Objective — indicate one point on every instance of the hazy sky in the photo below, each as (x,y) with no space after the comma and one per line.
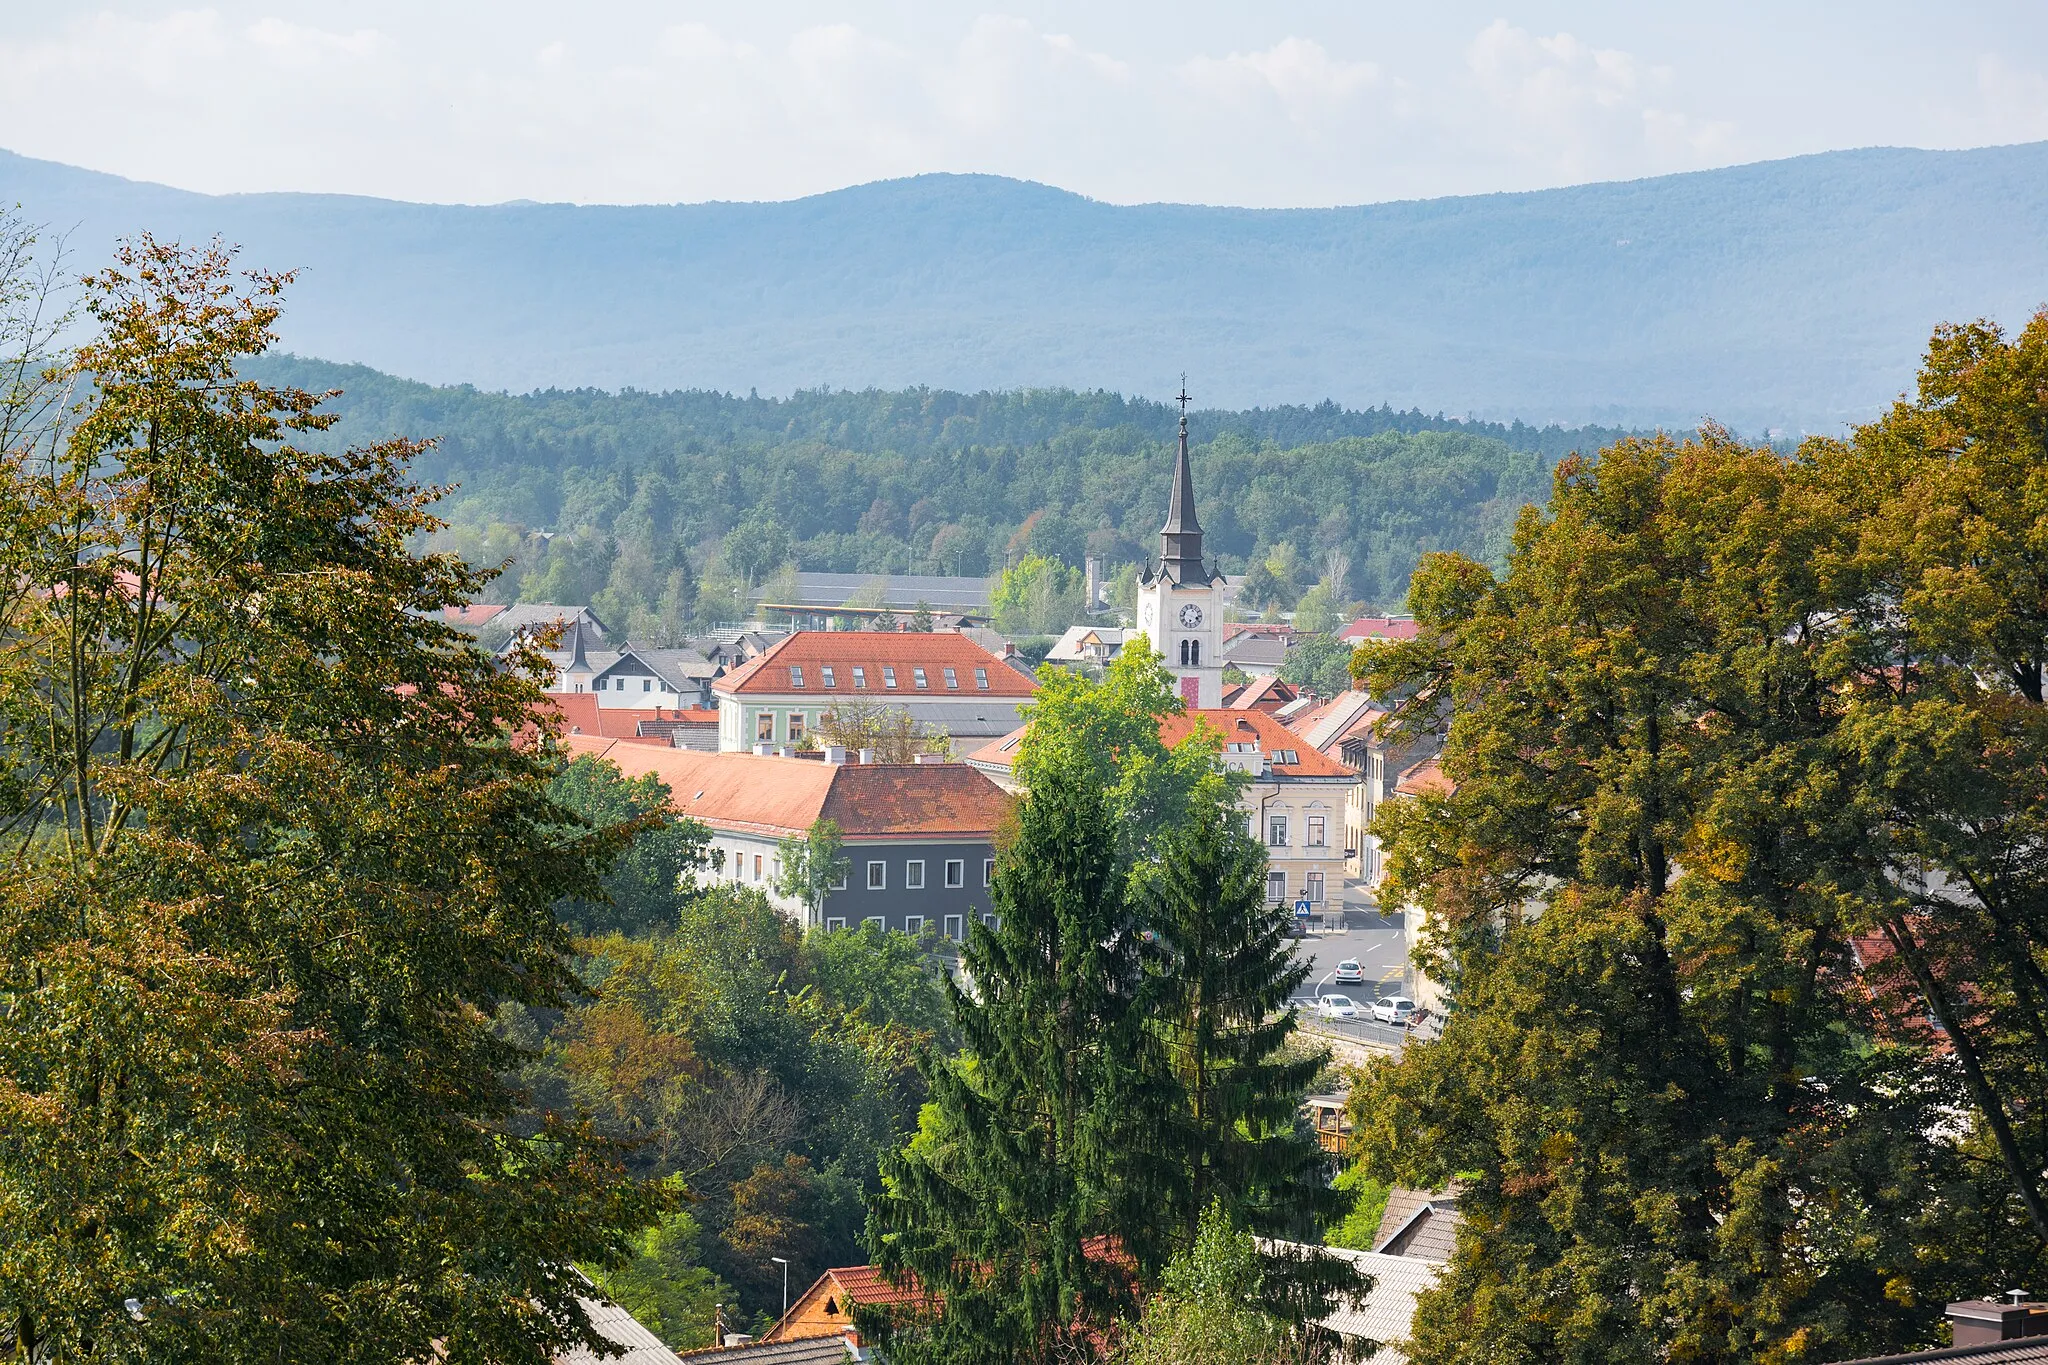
(1273,102)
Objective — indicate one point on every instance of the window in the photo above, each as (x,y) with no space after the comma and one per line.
(878,876)
(877,921)
(1276,831)
(952,679)
(825,672)
(796,726)
(917,679)
(913,874)
(888,676)
(992,920)
(757,867)
(860,676)
(839,882)
(956,928)
(835,924)
(1276,886)
(988,871)
(1194,653)
(1317,838)
(796,676)
(1315,888)
(764,727)
(1287,757)
(956,872)
(913,924)
(647,684)
(981,678)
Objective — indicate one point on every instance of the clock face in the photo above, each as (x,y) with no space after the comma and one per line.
(1191,616)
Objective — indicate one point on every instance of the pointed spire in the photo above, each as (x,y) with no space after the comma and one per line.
(576,659)
(1180,540)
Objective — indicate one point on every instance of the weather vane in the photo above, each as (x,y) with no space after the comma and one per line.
(1183,394)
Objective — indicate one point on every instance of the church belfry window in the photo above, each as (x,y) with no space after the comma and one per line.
(1194,653)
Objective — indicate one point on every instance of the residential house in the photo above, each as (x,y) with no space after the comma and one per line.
(636,676)
(527,618)
(635,1344)
(1087,646)
(1264,693)
(1378,628)
(1294,800)
(1258,646)
(1384,762)
(1422,1224)
(826,1309)
(822,1350)
(1426,777)
(942,680)
(1385,1315)
(919,837)
(579,713)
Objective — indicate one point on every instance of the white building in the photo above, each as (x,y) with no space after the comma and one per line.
(1181,602)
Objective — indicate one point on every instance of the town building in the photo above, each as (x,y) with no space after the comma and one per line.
(944,681)
(1087,646)
(1267,693)
(1293,800)
(1378,628)
(504,621)
(1180,599)
(579,713)
(636,676)
(919,838)
(1258,646)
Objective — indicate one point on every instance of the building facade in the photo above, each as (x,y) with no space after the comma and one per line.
(919,838)
(944,681)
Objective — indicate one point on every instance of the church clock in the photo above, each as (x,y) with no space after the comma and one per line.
(1191,616)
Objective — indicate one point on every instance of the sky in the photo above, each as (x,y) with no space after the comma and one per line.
(1277,103)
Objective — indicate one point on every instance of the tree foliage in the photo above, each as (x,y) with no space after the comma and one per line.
(275,860)
(647,883)
(1689,1124)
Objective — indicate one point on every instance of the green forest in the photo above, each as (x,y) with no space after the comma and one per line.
(662,509)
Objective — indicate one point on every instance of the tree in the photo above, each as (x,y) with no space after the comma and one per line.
(921,619)
(1110,731)
(1321,664)
(1219,1013)
(1037,596)
(1319,611)
(1005,1218)
(812,865)
(280,848)
(855,724)
(1664,1096)
(885,977)
(647,884)
(1209,1310)
(664,1287)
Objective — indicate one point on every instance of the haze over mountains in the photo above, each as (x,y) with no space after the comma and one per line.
(1792,294)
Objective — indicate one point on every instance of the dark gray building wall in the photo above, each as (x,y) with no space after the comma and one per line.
(898,902)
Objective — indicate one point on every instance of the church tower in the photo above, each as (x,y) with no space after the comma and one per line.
(1180,603)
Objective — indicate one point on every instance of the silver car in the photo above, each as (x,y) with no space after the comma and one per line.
(1337,1007)
(1397,1010)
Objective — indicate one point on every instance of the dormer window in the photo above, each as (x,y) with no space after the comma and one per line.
(952,680)
(917,678)
(860,676)
(796,676)
(981,678)
(888,676)
(826,671)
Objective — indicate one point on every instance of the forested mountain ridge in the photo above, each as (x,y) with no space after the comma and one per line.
(1789,294)
(685,497)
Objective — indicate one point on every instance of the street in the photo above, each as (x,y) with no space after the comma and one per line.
(1380,949)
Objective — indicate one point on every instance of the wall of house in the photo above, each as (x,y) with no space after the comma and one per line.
(1287,815)
(740,723)
(753,860)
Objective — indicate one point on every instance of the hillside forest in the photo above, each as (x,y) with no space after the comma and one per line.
(663,511)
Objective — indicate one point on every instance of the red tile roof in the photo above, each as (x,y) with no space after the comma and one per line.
(1235,726)
(786,796)
(1426,776)
(871,650)
(473,614)
(865,1284)
(1240,727)
(1380,628)
(1264,693)
(578,712)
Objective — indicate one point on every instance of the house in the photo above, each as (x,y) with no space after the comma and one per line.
(1378,628)
(637,1345)
(1294,801)
(579,713)
(1087,646)
(1418,1223)
(526,618)
(919,838)
(942,680)
(1264,693)
(1388,1310)
(825,1310)
(1258,646)
(1985,1332)
(805,1351)
(1384,762)
(635,676)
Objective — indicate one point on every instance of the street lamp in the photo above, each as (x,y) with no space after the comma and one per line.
(785,1283)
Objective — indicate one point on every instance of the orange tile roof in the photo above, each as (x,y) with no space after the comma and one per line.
(1426,776)
(865,1284)
(1263,692)
(781,797)
(934,651)
(579,711)
(473,613)
(1235,726)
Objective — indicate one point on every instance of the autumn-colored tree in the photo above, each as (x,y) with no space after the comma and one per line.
(276,855)
(1682,1132)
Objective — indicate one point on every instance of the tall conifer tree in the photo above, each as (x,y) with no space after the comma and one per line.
(1004,1204)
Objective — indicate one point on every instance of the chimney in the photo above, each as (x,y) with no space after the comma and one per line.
(867,755)
(1980,1322)
(1094,572)
(835,753)
(931,758)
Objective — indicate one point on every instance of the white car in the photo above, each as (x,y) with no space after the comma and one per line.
(1336,1007)
(1349,973)
(1397,1010)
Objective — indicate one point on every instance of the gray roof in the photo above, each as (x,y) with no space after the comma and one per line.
(902,590)
(1389,1307)
(621,1328)
(674,665)
(1418,1223)
(2025,1351)
(529,615)
(802,1351)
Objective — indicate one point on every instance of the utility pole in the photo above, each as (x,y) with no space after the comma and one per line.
(785,1283)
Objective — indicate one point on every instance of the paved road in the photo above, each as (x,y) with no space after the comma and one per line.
(1381,949)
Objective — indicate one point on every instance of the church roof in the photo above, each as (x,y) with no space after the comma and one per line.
(1180,540)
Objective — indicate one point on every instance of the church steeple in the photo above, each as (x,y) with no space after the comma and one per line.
(1180,540)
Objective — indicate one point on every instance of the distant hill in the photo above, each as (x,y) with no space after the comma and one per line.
(1792,294)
